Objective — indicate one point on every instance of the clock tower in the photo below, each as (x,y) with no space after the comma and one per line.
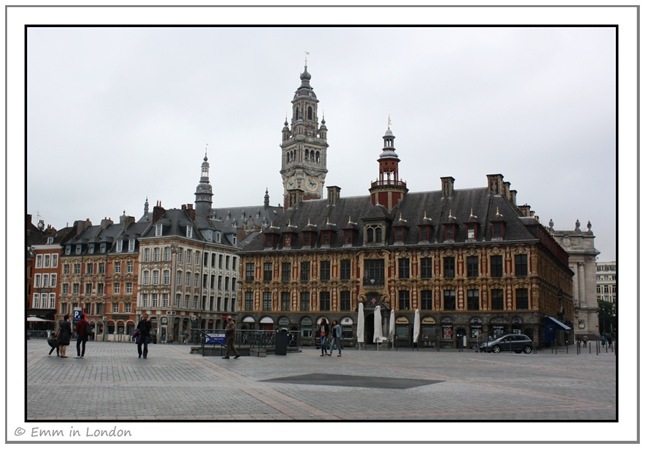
(304,147)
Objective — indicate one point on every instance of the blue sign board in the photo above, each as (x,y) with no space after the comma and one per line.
(215,339)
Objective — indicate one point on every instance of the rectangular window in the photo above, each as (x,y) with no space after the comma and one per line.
(66,268)
(52,282)
(155,277)
(345,269)
(325,270)
(250,272)
(155,300)
(472,266)
(248,301)
(325,301)
(521,265)
(305,268)
(146,278)
(156,254)
(426,299)
(404,268)
(119,246)
(285,301)
(496,268)
(37,281)
(117,288)
(166,277)
(158,230)
(404,300)
(36,303)
(131,245)
(54,260)
(146,255)
(130,266)
(115,307)
(76,288)
(473,299)
(166,253)
(100,289)
(286,271)
(165,300)
(449,300)
(345,301)
(426,267)
(268,271)
(90,268)
(266,301)
(522,299)
(77,268)
(88,288)
(46,261)
(449,267)
(128,308)
(189,256)
(497,299)
(65,290)
(128,287)
(101,267)
(117,267)
(304,302)
(374,272)
(39,261)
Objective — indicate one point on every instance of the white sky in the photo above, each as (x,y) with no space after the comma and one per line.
(116,115)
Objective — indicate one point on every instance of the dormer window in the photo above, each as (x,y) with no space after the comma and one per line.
(449,231)
(218,237)
(78,249)
(189,232)
(158,230)
(497,226)
(50,240)
(374,234)
(103,247)
(90,248)
(119,246)
(131,245)
(68,250)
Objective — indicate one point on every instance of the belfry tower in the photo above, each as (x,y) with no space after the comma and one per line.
(304,147)
(388,190)
(204,192)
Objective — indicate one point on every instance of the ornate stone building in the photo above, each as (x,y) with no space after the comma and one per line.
(188,267)
(579,245)
(471,260)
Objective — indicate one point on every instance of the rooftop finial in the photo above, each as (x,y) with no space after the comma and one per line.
(306,54)
(389,121)
(206,153)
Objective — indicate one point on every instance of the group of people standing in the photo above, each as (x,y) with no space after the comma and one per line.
(330,336)
(61,340)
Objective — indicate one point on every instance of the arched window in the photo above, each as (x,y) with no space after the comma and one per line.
(310,113)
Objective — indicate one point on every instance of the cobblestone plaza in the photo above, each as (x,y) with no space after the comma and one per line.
(385,386)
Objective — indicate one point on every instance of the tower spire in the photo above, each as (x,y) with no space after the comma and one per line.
(204,192)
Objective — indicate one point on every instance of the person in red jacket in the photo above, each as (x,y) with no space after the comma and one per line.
(82,332)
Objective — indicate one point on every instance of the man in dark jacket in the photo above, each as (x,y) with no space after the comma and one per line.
(229,333)
(82,332)
(143,327)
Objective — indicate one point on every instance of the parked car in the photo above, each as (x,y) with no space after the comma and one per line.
(511,342)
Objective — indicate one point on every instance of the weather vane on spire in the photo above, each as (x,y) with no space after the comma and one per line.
(206,152)
(306,54)
(389,121)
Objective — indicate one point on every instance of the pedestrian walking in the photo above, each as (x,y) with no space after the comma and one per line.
(53,342)
(336,338)
(144,335)
(82,333)
(229,333)
(324,334)
(64,335)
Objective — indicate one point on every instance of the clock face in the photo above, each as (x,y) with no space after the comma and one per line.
(312,184)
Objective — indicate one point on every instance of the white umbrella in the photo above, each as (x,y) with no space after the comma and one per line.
(391,333)
(37,319)
(378,325)
(360,326)
(417,325)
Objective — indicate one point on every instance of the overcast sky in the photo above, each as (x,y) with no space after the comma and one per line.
(116,115)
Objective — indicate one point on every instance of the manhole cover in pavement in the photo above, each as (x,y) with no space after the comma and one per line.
(342,380)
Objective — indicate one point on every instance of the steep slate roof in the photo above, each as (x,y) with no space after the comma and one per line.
(413,209)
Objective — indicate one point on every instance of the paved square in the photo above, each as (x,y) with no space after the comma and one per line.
(111,383)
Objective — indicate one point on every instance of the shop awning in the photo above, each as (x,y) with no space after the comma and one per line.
(266,320)
(558,323)
(248,319)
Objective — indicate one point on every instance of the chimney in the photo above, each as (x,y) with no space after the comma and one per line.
(293,198)
(513,197)
(125,220)
(506,190)
(333,193)
(190,211)
(157,212)
(82,225)
(495,184)
(447,187)
(106,222)
(525,210)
